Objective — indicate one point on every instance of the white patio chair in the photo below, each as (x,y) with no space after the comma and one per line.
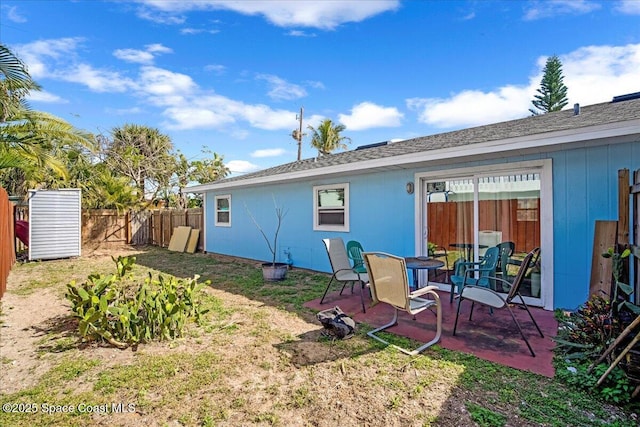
(342,269)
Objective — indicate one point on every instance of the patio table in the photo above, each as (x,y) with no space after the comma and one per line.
(421,263)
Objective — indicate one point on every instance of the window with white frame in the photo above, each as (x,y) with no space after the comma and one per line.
(223,210)
(331,207)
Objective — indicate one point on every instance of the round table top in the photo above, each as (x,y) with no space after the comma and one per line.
(423,262)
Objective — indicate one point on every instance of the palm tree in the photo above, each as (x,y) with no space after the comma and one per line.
(326,138)
(142,154)
(30,141)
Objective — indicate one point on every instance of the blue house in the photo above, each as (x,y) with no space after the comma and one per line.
(539,181)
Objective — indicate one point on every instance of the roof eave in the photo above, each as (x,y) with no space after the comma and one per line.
(549,141)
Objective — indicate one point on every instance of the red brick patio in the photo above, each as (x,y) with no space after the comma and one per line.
(490,337)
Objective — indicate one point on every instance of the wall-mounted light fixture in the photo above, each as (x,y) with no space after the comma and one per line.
(409,187)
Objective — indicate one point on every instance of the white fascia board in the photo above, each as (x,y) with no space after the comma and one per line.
(541,141)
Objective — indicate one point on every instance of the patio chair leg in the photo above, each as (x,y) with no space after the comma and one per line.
(473,304)
(327,289)
(455,325)
(453,288)
(526,307)
(364,310)
(521,333)
(395,322)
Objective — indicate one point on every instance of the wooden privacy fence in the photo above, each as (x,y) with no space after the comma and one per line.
(162,223)
(7,239)
(107,226)
(451,222)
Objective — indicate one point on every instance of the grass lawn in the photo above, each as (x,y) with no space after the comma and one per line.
(258,358)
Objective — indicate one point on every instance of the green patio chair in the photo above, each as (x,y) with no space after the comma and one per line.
(466,270)
(506,251)
(354,251)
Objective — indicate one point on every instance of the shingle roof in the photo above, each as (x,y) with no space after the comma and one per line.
(565,120)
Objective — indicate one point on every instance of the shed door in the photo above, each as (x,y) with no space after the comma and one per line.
(54,224)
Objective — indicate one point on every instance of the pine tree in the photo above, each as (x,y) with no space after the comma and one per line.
(552,94)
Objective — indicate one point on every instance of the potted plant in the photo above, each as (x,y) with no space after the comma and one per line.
(272,271)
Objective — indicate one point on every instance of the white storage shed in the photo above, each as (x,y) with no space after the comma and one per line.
(55,223)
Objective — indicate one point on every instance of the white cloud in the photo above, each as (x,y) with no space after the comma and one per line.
(95,79)
(551,8)
(158,48)
(183,103)
(263,117)
(164,83)
(472,107)
(141,56)
(215,111)
(613,70)
(216,68)
(14,15)
(193,31)
(367,115)
(314,84)
(241,166)
(46,97)
(281,89)
(134,55)
(37,54)
(269,152)
(194,118)
(629,7)
(302,13)
(160,17)
(299,33)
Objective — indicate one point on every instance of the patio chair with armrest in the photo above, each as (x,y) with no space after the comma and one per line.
(494,300)
(354,251)
(465,272)
(342,270)
(506,251)
(389,284)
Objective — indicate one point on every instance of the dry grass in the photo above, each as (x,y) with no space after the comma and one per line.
(259,359)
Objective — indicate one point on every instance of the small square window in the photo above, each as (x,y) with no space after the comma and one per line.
(223,210)
(331,207)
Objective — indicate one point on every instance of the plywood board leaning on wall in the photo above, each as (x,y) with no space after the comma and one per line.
(601,268)
(192,243)
(179,238)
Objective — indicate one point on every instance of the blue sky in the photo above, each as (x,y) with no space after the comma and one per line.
(232,75)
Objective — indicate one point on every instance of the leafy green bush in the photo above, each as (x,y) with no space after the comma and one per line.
(582,337)
(116,309)
(616,388)
(586,334)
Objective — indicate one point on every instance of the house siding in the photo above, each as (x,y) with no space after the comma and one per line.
(585,185)
(382,213)
(381,217)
